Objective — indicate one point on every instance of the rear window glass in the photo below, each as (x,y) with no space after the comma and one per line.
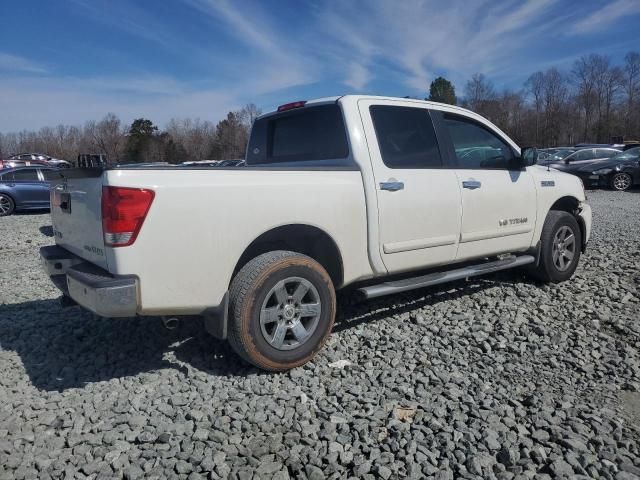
(307,134)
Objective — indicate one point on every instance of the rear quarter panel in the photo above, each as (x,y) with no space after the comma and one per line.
(201,221)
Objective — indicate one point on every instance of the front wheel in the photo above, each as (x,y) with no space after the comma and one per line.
(560,246)
(281,310)
(621,181)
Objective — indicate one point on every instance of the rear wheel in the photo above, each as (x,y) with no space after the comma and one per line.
(621,181)
(7,205)
(560,246)
(281,310)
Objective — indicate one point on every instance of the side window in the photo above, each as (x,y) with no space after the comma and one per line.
(6,177)
(605,153)
(586,154)
(477,147)
(51,175)
(406,137)
(26,175)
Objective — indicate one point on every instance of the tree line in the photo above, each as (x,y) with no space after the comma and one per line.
(593,101)
(142,141)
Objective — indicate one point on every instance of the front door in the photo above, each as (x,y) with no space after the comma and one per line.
(419,209)
(498,196)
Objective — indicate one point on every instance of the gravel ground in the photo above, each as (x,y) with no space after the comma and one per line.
(494,378)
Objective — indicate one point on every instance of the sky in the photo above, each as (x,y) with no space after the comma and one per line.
(69,61)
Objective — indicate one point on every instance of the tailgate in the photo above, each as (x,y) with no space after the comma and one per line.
(76,214)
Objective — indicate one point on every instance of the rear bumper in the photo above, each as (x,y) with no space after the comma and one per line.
(92,287)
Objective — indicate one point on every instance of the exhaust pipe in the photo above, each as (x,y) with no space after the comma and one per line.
(170,323)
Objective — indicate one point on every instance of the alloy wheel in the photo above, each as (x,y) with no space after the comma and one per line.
(290,313)
(564,248)
(621,181)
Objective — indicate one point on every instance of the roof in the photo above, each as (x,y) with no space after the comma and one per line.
(334,99)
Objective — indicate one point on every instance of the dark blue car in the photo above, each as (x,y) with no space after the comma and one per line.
(26,188)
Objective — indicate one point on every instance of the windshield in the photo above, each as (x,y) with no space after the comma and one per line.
(555,154)
(631,154)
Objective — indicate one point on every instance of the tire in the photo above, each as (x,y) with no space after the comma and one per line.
(558,258)
(270,299)
(7,205)
(621,181)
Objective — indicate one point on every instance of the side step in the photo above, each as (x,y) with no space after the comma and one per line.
(397,286)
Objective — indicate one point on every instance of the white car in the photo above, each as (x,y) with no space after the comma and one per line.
(381,194)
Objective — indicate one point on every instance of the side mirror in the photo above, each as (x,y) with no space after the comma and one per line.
(529,156)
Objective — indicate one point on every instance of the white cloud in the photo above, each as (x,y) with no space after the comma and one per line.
(418,39)
(605,16)
(357,76)
(14,63)
(272,61)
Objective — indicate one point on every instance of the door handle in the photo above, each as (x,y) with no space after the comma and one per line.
(471,184)
(392,185)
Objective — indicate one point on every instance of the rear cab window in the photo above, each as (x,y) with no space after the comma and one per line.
(313,135)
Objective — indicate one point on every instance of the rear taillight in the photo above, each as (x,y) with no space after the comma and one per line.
(123,212)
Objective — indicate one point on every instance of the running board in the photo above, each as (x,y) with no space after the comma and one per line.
(397,286)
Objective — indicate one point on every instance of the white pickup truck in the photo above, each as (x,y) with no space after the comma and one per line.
(381,194)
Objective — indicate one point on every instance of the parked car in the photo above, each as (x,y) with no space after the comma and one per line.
(26,188)
(31,157)
(376,193)
(231,163)
(581,158)
(620,172)
(630,145)
(200,163)
(91,160)
(12,163)
(554,154)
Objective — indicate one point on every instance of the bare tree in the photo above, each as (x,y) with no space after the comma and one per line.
(534,86)
(630,83)
(479,93)
(108,135)
(585,77)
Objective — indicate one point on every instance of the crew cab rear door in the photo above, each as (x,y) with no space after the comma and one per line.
(419,206)
(498,196)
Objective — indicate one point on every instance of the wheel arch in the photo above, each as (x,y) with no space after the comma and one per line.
(301,238)
(571,204)
(11,197)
